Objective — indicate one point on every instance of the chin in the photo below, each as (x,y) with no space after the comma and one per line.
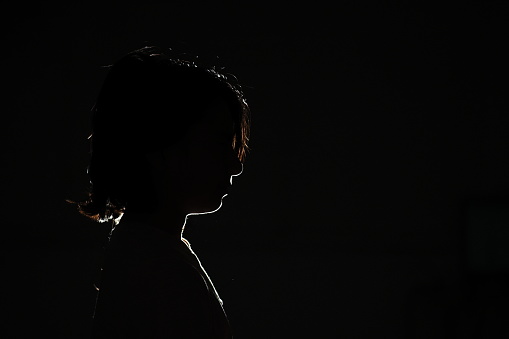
(211,208)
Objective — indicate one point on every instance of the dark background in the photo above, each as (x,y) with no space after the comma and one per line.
(374,202)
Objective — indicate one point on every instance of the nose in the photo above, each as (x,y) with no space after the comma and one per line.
(236,172)
(236,169)
(235,166)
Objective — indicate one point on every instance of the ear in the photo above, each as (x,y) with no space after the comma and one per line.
(165,160)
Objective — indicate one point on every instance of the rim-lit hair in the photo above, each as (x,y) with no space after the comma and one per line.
(147,102)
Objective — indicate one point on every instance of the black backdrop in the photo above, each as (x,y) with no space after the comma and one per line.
(373,204)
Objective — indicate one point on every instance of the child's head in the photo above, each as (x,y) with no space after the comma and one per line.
(152,106)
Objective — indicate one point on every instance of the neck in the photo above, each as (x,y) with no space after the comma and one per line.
(172,223)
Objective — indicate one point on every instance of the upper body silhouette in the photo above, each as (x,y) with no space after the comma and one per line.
(167,138)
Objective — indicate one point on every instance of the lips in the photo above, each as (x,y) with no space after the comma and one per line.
(223,189)
(227,188)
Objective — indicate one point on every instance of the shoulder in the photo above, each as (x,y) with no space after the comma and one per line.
(147,269)
(151,286)
(175,301)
